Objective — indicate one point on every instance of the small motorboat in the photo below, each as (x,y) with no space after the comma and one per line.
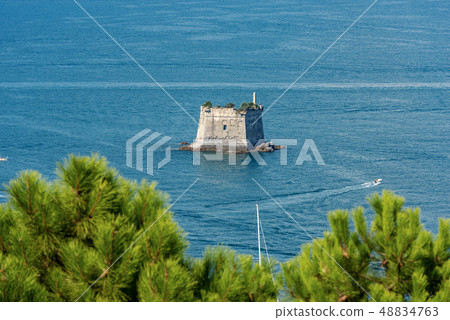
(377,181)
(3,159)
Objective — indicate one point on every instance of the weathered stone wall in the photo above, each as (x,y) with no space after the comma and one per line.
(228,129)
(254,130)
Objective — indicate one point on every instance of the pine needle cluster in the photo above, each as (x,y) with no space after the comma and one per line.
(393,260)
(91,235)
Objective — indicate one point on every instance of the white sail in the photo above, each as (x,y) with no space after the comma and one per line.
(259,239)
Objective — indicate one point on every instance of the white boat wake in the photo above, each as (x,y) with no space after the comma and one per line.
(310,196)
(371,183)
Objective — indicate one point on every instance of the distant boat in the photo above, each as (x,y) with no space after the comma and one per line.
(378,181)
(3,159)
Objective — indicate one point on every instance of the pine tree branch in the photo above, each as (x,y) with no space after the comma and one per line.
(114,233)
(220,263)
(144,207)
(230,282)
(147,245)
(79,268)
(23,208)
(104,281)
(30,206)
(370,278)
(2,245)
(125,268)
(77,192)
(404,248)
(166,274)
(158,251)
(97,198)
(44,220)
(152,290)
(58,291)
(3,279)
(23,251)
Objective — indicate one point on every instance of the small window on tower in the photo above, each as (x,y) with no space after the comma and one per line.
(225,127)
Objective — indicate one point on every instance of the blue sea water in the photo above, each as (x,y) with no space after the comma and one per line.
(376,104)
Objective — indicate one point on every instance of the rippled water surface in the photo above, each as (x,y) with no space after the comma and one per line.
(376,104)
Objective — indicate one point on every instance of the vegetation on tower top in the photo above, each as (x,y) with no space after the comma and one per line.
(244,106)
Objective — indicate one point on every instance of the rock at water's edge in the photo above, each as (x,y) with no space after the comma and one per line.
(264,147)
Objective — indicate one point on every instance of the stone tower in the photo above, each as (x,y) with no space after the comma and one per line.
(230,129)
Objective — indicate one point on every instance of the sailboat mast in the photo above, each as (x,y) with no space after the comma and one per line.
(259,239)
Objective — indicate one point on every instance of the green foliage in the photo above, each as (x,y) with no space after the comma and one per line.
(244,106)
(78,230)
(166,280)
(321,265)
(396,260)
(18,281)
(222,276)
(92,235)
(247,105)
(207,104)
